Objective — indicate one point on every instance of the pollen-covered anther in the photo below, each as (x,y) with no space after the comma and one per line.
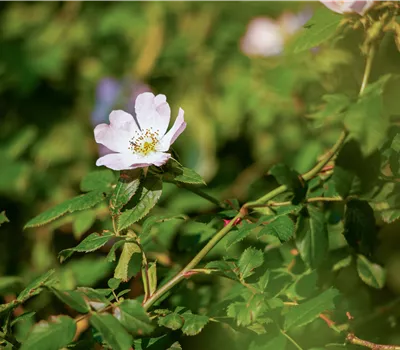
(144,142)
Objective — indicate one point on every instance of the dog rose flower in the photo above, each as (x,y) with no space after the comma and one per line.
(348,6)
(142,142)
(266,36)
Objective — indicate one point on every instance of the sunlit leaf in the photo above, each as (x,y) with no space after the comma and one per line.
(72,298)
(370,273)
(172,321)
(151,193)
(308,311)
(250,260)
(281,227)
(56,334)
(125,189)
(134,318)
(321,27)
(193,323)
(81,202)
(91,243)
(312,237)
(111,331)
(98,180)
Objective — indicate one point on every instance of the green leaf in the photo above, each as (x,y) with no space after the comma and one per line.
(177,172)
(95,295)
(367,120)
(225,268)
(370,273)
(396,143)
(122,269)
(111,254)
(281,227)
(82,202)
(151,193)
(91,243)
(335,105)
(152,273)
(285,176)
(175,346)
(36,286)
(308,311)
(72,298)
(193,323)
(247,312)
(98,180)
(114,283)
(154,220)
(238,235)
(342,263)
(23,317)
(312,237)
(127,186)
(359,226)
(263,281)
(249,260)
(52,335)
(355,173)
(134,318)
(319,29)
(172,321)
(111,331)
(291,179)
(3,218)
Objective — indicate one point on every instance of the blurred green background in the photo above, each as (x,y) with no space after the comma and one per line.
(244,114)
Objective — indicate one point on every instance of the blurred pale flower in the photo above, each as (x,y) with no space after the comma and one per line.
(266,36)
(348,6)
(143,141)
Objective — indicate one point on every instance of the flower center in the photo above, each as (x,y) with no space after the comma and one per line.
(144,142)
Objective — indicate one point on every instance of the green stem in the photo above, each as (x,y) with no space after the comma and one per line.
(200,255)
(307,176)
(309,200)
(291,340)
(368,67)
(260,202)
(351,338)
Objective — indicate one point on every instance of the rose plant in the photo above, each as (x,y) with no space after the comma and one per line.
(270,258)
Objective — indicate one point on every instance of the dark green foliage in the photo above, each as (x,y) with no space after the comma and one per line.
(293,243)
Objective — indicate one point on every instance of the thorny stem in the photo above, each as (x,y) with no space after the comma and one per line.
(260,202)
(200,255)
(309,200)
(351,338)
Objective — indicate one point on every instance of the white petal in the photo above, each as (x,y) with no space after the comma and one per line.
(119,161)
(170,137)
(152,112)
(333,5)
(156,158)
(361,6)
(117,135)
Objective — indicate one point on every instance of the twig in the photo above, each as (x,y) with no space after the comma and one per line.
(351,338)
(309,200)
(291,340)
